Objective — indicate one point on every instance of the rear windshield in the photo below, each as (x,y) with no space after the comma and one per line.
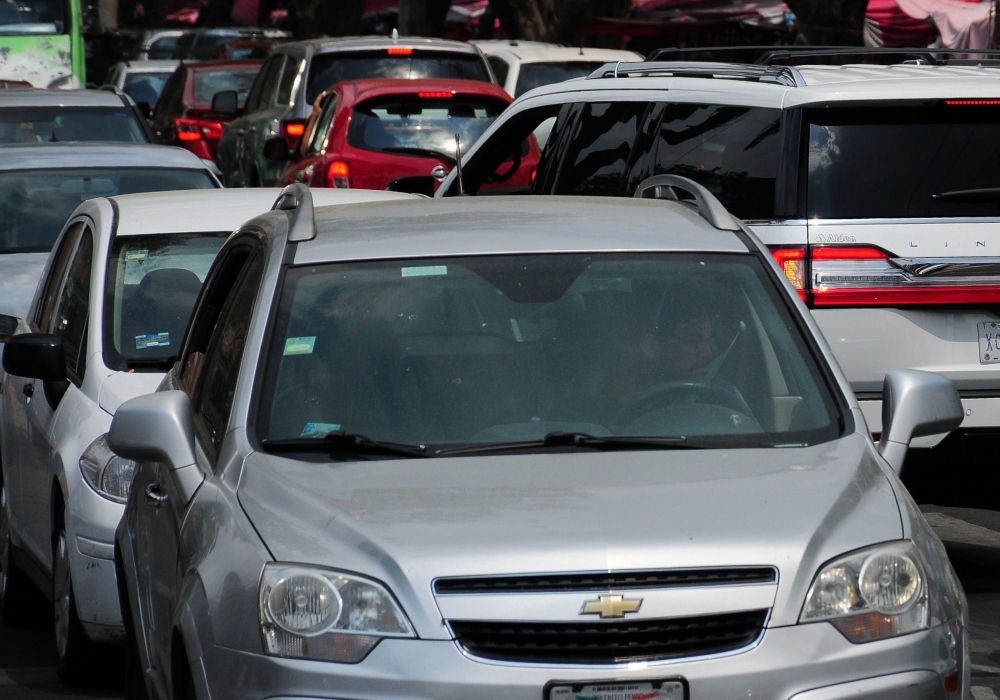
(534,75)
(421,127)
(146,87)
(207,83)
(35,204)
(67,123)
(497,349)
(904,161)
(33,17)
(152,285)
(330,68)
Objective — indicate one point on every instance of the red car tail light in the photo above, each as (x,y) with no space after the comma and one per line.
(436,95)
(338,174)
(793,264)
(399,51)
(198,129)
(291,130)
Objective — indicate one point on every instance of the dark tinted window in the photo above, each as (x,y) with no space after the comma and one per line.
(70,319)
(207,83)
(598,154)
(287,82)
(35,204)
(33,17)
(534,75)
(47,124)
(732,151)
(57,269)
(330,68)
(500,68)
(163,48)
(145,87)
(895,161)
(269,90)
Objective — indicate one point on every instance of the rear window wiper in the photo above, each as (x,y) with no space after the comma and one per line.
(338,443)
(164,363)
(413,151)
(986,194)
(583,440)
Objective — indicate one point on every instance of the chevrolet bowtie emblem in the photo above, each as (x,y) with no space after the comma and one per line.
(610,606)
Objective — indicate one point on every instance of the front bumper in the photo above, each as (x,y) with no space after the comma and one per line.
(805,662)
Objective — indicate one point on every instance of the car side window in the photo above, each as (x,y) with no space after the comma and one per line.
(598,157)
(319,135)
(171,91)
(69,322)
(269,90)
(732,151)
(500,68)
(253,98)
(57,271)
(287,82)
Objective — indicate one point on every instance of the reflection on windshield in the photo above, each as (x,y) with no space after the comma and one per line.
(153,283)
(35,204)
(32,16)
(512,348)
(534,75)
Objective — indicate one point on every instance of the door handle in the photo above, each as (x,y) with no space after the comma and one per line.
(154,497)
(28,390)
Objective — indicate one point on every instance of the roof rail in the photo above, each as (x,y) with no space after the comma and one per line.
(710,208)
(298,200)
(779,75)
(767,55)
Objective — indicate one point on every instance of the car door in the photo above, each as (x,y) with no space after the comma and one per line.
(212,356)
(67,319)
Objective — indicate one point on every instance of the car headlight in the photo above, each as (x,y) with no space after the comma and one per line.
(106,472)
(876,593)
(312,613)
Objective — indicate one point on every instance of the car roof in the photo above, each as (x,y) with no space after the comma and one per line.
(361,43)
(526,53)
(222,64)
(157,65)
(188,211)
(39,97)
(496,225)
(375,87)
(42,156)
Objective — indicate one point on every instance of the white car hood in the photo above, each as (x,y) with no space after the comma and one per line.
(119,387)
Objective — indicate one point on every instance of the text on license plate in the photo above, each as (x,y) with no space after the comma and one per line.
(648,690)
(989,342)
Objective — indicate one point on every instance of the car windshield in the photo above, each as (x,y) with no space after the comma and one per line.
(146,87)
(69,123)
(327,69)
(500,349)
(207,83)
(152,285)
(32,17)
(534,75)
(876,162)
(35,204)
(421,127)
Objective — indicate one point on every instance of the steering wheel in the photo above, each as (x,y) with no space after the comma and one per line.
(667,393)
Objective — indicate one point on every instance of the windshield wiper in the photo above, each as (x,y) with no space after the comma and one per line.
(164,363)
(412,151)
(559,439)
(986,194)
(338,442)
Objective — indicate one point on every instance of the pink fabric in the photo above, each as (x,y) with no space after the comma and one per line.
(887,25)
(961,24)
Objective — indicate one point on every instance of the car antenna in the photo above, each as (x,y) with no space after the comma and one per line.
(581,47)
(395,33)
(458,163)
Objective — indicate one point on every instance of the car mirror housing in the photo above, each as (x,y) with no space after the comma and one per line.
(226,103)
(276,148)
(157,427)
(915,404)
(35,355)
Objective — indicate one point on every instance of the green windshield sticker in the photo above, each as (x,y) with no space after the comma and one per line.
(300,346)
(425,271)
(136,254)
(319,429)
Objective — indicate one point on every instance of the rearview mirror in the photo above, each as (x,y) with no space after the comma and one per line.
(276,148)
(915,404)
(226,103)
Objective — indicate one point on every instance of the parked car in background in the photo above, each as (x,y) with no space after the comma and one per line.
(460,448)
(41,184)
(203,43)
(29,115)
(143,81)
(521,66)
(376,133)
(106,323)
(245,48)
(184,115)
(889,244)
(295,74)
(157,44)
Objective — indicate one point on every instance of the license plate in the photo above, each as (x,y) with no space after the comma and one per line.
(640,690)
(989,342)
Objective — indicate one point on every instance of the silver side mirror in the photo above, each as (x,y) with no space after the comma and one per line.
(155,428)
(915,403)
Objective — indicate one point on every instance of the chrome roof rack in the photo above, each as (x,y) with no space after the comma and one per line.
(298,200)
(779,75)
(710,208)
(798,54)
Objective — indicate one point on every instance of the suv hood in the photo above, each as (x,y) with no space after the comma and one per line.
(407,522)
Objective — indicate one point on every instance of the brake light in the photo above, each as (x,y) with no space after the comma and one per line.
(400,51)
(843,276)
(436,95)
(339,174)
(291,130)
(197,129)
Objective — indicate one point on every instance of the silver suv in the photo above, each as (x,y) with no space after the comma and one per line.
(877,188)
(282,97)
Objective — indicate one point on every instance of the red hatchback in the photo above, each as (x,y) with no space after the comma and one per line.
(184,116)
(389,134)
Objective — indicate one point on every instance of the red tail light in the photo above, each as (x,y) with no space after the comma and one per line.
(338,174)
(292,130)
(839,276)
(436,95)
(198,129)
(400,51)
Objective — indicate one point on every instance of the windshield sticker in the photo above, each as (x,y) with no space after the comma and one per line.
(425,271)
(136,254)
(319,429)
(300,346)
(153,340)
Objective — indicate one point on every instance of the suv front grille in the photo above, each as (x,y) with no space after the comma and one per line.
(609,642)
